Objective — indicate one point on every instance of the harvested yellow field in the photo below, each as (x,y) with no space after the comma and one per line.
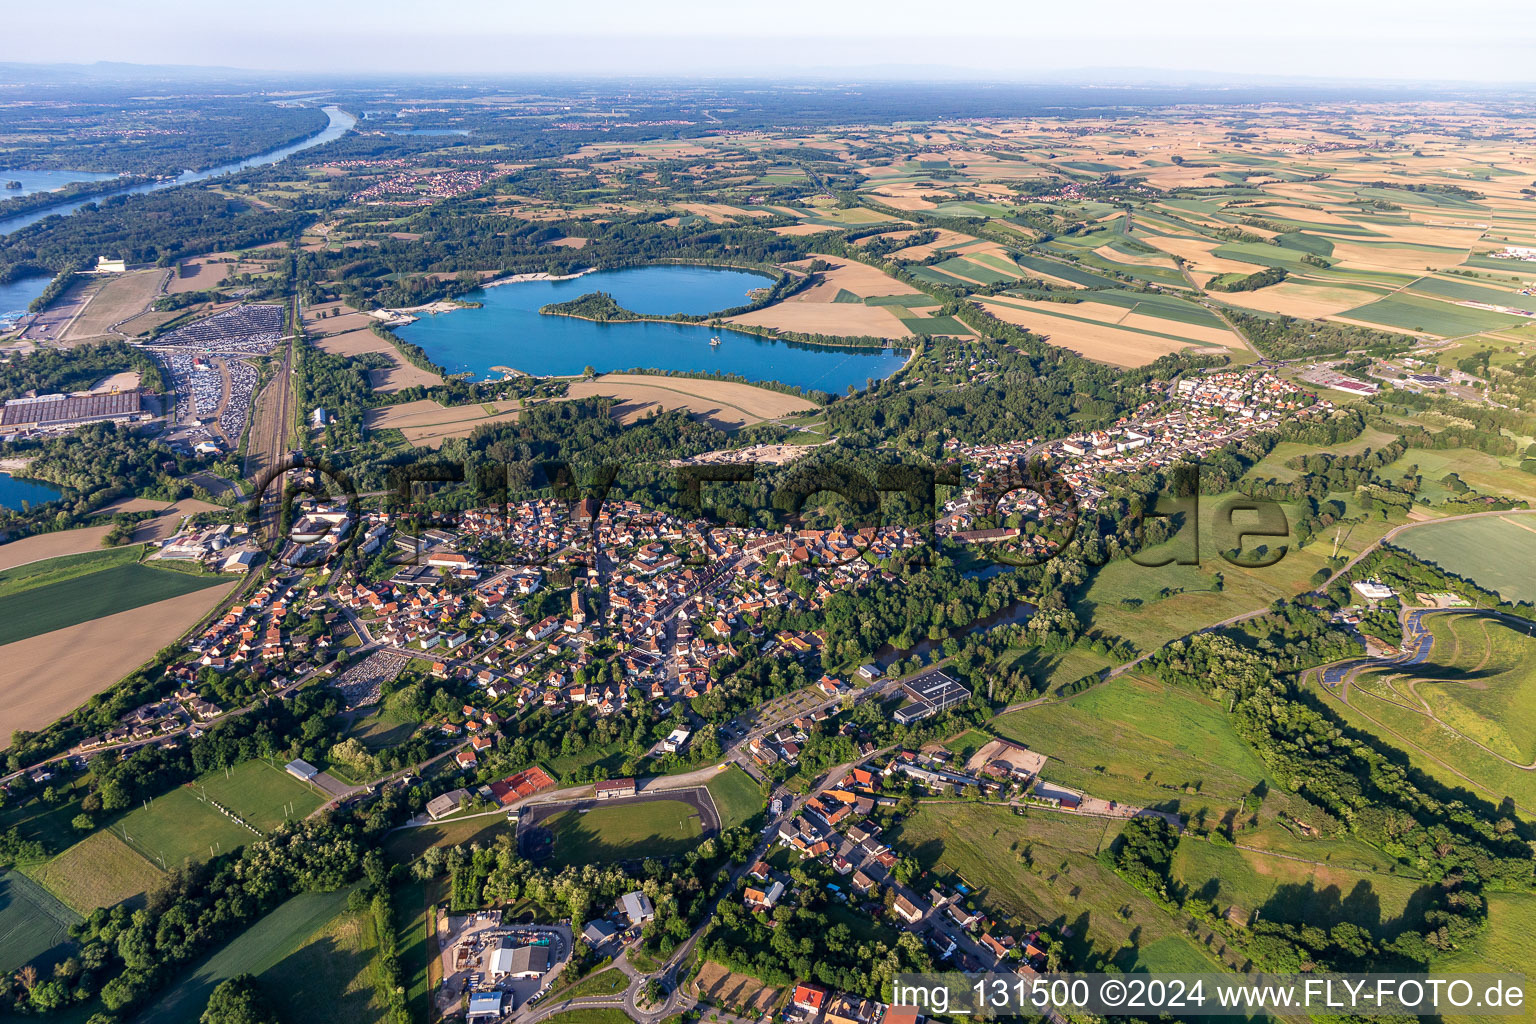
(1296,213)
(1395,258)
(1100,311)
(196,275)
(427,424)
(52,545)
(815,311)
(1296,299)
(723,403)
(946,238)
(569,242)
(847,275)
(1120,316)
(1140,259)
(843,319)
(396,378)
(719,213)
(906,195)
(1194,332)
(789,230)
(113,299)
(54,673)
(1104,342)
(1198,254)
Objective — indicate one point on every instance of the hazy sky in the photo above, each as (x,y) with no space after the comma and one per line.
(1409,40)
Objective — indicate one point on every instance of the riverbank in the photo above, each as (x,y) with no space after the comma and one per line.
(340,122)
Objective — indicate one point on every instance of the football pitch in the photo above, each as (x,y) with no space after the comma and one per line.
(186,823)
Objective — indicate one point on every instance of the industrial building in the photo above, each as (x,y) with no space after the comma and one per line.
(63,410)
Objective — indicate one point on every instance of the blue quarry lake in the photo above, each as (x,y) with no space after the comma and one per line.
(17,295)
(510,331)
(14,491)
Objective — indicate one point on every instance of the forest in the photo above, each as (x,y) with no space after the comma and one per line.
(125,131)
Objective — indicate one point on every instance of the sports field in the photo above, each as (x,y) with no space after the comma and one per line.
(1493,552)
(113,299)
(99,871)
(34,926)
(737,798)
(310,955)
(654,828)
(183,824)
(45,596)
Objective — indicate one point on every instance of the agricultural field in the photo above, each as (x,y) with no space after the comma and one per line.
(48,596)
(654,828)
(99,871)
(723,987)
(853,299)
(1143,743)
(311,955)
(57,671)
(427,424)
(737,797)
(1110,333)
(34,926)
(1493,552)
(398,376)
(725,404)
(88,539)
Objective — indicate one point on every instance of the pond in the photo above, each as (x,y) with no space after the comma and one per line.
(509,331)
(14,491)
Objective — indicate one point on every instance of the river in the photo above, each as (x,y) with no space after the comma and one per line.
(508,330)
(340,123)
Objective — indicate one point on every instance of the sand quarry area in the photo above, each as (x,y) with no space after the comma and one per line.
(51,674)
(724,404)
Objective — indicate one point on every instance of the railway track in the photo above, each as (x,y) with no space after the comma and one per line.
(271,416)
